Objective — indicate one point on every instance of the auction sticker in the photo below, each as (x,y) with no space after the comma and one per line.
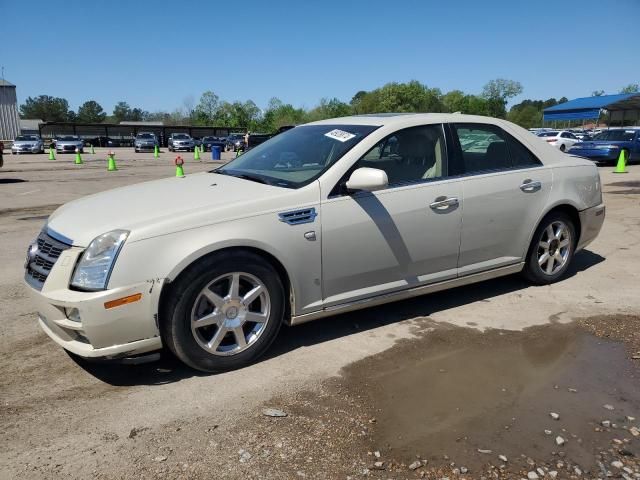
(339,135)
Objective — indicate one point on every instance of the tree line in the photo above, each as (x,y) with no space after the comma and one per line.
(412,96)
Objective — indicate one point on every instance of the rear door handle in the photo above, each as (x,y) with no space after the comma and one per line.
(443,203)
(530,186)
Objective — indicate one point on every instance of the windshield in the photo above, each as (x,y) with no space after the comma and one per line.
(145,136)
(616,135)
(69,138)
(181,136)
(209,139)
(25,138)
(548,134)
(299,156)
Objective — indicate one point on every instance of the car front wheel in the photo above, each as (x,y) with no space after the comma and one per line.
(224,312)
(551,249)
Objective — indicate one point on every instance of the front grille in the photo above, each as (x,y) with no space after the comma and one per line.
(71,148)
(40,263)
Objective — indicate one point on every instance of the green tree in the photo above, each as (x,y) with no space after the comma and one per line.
(329,108)
(91,112)
(206,109)
(527,117)
(597,93)
(631,88)
(399,97)
(278,114)
(497,92)
(46,108)
(122,111)
(455,101)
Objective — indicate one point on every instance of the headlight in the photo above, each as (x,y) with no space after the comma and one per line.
(94,268)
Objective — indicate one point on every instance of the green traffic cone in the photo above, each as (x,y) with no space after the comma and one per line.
(179,170)
(111,163)
(156,152)
(78,158)
(92,150)
(239,152)
(51,155)
(622,163)
(196,153)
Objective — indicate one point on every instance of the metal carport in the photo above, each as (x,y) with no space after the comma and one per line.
(623,108)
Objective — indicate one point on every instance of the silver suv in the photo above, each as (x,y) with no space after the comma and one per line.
(181,141)
(145,141)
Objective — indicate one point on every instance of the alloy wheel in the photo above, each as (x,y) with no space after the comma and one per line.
(230,313)
(554,247)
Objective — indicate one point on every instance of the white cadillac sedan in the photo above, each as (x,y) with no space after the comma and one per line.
(327,217)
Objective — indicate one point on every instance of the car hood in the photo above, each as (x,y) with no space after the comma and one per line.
(162,206)
(26,142)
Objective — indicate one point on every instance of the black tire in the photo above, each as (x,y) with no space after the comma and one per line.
(175,326)
(562,148)
(533,271)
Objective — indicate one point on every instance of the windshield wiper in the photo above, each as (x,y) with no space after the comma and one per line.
(252,178)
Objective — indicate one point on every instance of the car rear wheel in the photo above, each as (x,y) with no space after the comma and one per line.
(224,312)
(551,249)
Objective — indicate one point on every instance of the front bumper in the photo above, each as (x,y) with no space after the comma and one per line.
(17,150)
(591,221)
(101,332)
(186,148)
(145,147)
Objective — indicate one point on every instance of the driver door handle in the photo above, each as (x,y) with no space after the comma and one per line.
(530,186)
(443,203)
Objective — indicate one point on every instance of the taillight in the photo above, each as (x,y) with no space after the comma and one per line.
(552,139)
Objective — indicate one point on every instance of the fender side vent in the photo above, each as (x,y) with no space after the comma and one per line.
(297,217)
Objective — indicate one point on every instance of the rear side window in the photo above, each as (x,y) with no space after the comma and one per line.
(486,148)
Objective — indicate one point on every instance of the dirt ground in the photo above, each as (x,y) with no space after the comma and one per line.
(458,384)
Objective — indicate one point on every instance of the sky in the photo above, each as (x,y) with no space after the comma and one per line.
(156,54)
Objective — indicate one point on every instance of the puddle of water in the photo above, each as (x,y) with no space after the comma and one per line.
(455,390)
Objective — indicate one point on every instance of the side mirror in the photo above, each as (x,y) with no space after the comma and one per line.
(368,179)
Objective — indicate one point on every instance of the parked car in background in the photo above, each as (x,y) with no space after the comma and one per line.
(583,135)
(197,141)
(256,139)
(145,141)
(325,218)
(27,144)
(208,142)
(607,145)
(180,141)
(235,142)
(561,139)
(69,144)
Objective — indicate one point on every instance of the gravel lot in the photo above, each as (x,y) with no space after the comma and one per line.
(459,384)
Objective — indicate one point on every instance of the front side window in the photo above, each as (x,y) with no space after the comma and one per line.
(414,154)
(485,148)
(298,156)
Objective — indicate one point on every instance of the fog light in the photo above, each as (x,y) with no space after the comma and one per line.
(72,314)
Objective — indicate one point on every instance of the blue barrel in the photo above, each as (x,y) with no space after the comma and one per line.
(215,152)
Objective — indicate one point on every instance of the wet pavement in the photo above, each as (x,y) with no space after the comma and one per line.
(463,395)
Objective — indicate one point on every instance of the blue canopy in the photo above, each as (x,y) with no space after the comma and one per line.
(589,107)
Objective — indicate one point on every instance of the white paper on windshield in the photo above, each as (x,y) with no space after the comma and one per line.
(629,131)
(339,135)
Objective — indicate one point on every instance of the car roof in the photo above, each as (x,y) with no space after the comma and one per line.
(390,119)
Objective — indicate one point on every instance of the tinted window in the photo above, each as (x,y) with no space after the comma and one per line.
(489,148)
(410,155)
(520,155)
(483,147)
(615,135)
